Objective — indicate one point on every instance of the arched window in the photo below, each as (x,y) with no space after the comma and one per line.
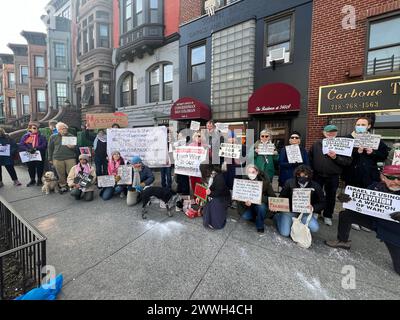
(161,79)
(129,91)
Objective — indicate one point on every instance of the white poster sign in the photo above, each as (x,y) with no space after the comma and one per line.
(125,172)
(69,141)
(232,151)
(372,203)
(195,126)
(266,149)
(247,190)
(294,154)
(30,157)
(5,150)
(367,141)
(396,158)
(223,127)
(301,200)
(106,181)
(150,144)
(188,160)
(341,146)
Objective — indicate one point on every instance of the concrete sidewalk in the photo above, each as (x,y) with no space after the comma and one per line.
(106,251)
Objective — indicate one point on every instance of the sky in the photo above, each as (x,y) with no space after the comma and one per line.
(18,15)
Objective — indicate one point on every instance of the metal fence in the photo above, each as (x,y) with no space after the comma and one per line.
(24,244)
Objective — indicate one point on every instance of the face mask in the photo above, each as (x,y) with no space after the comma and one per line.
(303,180)
(361,129)
(252,176)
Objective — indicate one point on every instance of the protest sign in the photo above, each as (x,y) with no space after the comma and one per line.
(84,180)
(367,141)
(232,151)
(69,141)
(396,158)
(195,126)
(30,157)
(247,190)
(188,160)
(200,192)
(266,149)
(372,203)
(106,120)
(223,127)
(125,172)
(106,181)
(341,146)
(5,150)
(294,154)
(301,200)
(85,150)
(150,144)
(278,204)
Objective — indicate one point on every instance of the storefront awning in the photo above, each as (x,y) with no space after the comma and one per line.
(275,97)
(189,108)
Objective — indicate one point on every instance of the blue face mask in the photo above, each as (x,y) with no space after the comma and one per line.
(361,129)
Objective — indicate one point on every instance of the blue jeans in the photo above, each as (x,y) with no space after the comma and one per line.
(284,222)
(108,193)
(166,177)
(259,212)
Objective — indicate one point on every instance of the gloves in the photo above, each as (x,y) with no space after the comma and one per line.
(343,197)
(139,188)
(395,216)
(117,179)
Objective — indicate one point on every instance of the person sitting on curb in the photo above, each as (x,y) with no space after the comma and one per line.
(81,189)
(387,231)
(142,177)
(115,162)
(257,212)
(302,179)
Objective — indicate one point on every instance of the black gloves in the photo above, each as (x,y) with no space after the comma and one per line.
(343,197)
(395,216)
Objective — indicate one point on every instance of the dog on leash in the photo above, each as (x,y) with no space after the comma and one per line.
(168,196)
(50,183)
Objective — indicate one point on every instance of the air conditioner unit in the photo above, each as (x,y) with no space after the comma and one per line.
(278,55)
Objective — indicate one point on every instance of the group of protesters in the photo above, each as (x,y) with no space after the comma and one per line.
(318,171)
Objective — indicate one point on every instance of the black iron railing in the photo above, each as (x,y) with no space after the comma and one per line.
(391,64)
(25,246)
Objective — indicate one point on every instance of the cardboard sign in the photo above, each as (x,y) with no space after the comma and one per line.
(69,141)
(396,158)
(294,154)
(341,146)
(29,157)
(367,141)
(150,144)
(247,190)
(372,203)
(223,127)
(266,149)
(125,172)
(106,181)
(5,150)
(85,150)
(278,204)
(106,120)
(231,151)
(188,160)
(301,200)
(195,126)
(200,192)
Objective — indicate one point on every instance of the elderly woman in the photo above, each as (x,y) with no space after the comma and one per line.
(81,179)
(8,159)
(115,162)
(32,142)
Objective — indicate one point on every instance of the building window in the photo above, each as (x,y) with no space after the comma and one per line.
(61,94)
(13,107)
(198,63)
(153,11)
(91,38)
(89,77)
(384,46)
(155,85)
(60,55)
(279,34)
(129,91)
(24,75)
(11,80)
(41,100)
(78,97)
(66,13)
(88,95)
(105,75)
(139,12)
(105,92)
(128,24)
(161,79)
(168,82)
(39,67)
(102,15)
(104,39)
(25,104)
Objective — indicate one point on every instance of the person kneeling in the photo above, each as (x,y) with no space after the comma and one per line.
(302,179)
(143,177)
(81,179)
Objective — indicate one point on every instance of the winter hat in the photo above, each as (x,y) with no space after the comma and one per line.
(84,157)
(136,160)
(392,170)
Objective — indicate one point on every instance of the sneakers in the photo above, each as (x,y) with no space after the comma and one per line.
(261,230)
(31,184)
(356,227)
(63,190)
(17,183)
(328,221)
(338,244)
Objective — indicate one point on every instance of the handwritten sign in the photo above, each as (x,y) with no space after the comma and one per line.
(125,172)
(367,141)
(106,181)
(278,204)
(396,158)
(84,180)
(341,146)
(232,151)
(247,190)
(188,160)
(195,126)
(5,150)
(200,192)
(69,141)
(223,127)
(372,203)
(30,157)
(301,200)
(150,144)
(294,154)
(106,120)
(266,149)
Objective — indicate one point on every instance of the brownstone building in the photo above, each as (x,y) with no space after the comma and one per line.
(8,103)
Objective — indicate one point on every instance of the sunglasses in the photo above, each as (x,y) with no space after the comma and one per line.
(295,138)
(392,178)
(33,128)
(264,136)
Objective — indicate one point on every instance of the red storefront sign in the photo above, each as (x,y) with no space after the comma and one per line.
(189,108)
(275,97)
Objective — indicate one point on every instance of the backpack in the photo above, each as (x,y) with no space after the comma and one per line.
(300,232)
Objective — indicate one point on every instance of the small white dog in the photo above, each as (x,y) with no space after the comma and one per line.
(50,183)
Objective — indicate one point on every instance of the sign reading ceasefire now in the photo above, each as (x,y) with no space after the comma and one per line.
(368,96)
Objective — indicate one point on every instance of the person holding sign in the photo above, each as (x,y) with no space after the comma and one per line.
(213,139)
(7,160)
(387,231)
(257,212)
(32,142)
(115,162)
(302,180)
(327,170)
(81,179)
(197,142)
(265,163)
(286,169)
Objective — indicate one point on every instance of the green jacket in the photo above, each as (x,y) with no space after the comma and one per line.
(264,163)
(57,151)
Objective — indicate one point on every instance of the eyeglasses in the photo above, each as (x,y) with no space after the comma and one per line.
(295,138)
(392,178)
(33,128)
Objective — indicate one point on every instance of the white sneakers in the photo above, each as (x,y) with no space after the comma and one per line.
(328,221)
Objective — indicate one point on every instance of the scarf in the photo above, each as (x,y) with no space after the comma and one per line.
(102,138)
(33,139)
(136,177)
(113,167)
(85,169)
